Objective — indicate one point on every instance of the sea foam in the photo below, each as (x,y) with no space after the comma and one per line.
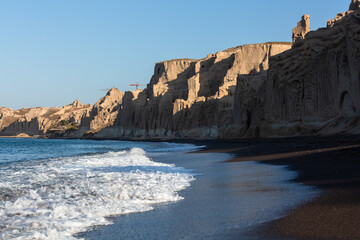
(57,198)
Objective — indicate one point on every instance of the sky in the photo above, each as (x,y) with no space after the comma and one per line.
(53,52)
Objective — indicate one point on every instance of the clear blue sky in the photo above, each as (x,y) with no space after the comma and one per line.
(52,52)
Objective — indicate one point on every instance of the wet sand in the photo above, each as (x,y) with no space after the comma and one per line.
(331,164)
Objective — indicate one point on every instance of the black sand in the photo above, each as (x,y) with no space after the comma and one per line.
(329,163)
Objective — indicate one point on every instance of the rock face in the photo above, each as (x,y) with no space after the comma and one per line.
(302,28)
(38,121)
(314,87)
(191,98)
(249,105)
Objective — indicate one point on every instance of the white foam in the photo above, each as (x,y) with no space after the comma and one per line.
(55,199)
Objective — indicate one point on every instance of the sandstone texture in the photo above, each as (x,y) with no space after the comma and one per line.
(302,28)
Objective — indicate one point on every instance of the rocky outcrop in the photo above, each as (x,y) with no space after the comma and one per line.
(7,117)
(302,28)
(103,114)
(77,104)
(354,5)
(314,87)
(38,121)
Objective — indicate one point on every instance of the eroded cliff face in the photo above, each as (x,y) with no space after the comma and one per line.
(191,98)
(273,89)
(314,87)
(38,121)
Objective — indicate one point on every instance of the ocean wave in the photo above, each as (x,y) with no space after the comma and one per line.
(57,198)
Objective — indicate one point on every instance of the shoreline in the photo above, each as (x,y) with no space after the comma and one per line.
(224,202)
(330,164)
(327,163)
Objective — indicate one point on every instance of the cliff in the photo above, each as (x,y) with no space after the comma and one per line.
(190,98)
(272,89)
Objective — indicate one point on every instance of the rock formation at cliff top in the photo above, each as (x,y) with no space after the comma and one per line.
(354,5)
(37,121)
(301,29)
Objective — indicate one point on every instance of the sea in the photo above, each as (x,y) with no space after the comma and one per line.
(89,189)
(53,189)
